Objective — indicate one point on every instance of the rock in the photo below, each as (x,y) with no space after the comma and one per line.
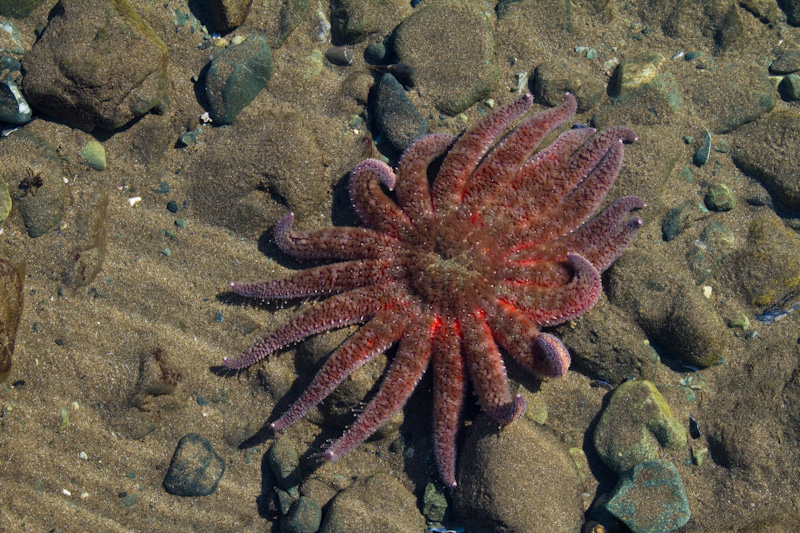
(352,21)
(18,8)
(456,67)
(375,503)
(786,63)
(32,170)
(395,115)
(195,469)
(285,464)
(95,155)
(97,64)
(552,80)
(789,87)
(637,425)
(767,151)
(236,76)
(5,201)
(11,301)
(516,479)
(651,498)
(304,516)
(318,491)
(10,39)
(767,268)
(227,14)
(644,93)
(14,109)
(719,197)
(668,306)
(434,503)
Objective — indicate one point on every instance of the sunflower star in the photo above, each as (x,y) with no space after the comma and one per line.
(496,246)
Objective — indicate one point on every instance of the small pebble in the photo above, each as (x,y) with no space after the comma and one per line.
(172,206)
(95,155)
(340,55)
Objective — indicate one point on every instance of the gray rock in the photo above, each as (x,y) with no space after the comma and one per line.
(97,64)
(395,115)
(304,516)
(13,106)
(456,67)
(10,39)
(352,21)
(285,463)
(669,307)
(552,80)
(786,63)
(516,479)
(195,469)
(236,76)
(375,503)
(767,150)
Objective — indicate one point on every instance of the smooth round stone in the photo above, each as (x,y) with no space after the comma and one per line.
(95,155)
(14,109)
(304,516)
(195,469)
(719,197)
(285,463)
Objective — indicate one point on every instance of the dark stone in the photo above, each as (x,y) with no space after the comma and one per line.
(236,76)
(284,463)
(304,516)
(13,106)
(786,63)
(352,21)
(227,14)
(195,469)
(395,115)
(98,64)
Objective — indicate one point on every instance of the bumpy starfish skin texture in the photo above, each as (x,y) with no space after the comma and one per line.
(459,270)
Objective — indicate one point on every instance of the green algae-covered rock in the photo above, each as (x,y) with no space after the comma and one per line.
(284,463)
(635,426)
(95,155)
(651,498)
(236,76)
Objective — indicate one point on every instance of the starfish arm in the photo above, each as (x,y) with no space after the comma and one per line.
(327,279)
(332,243)
(465,154)
(385,328)
(554,305)
(605,253)
(540,353)
(370,202)
(540,181)
(504,160)
(339,310)
(407,368)
(412,189)
(487,371)
(449,392)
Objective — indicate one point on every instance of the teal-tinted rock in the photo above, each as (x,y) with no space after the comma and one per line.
(95,155)
(635,426)
(32,170)
(304,516)
(651,498)
(702,153)
(14,108)
(284,463)
(395,115)
(719,197)
(236,76)
(195,469)
(790,87)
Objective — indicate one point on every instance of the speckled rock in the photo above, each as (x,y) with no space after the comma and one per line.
(32,170)
(352,21)
(651,498)
(236,76)
(375,503)
(767,268)
(668,305)
(97,64)
(195,469)
(552,80)
(516,480)
(455,68)
(10,39)
(395,115)
(645,92)
(304,516)
(767,151)
(637,425)
(715,242)
(719,197)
